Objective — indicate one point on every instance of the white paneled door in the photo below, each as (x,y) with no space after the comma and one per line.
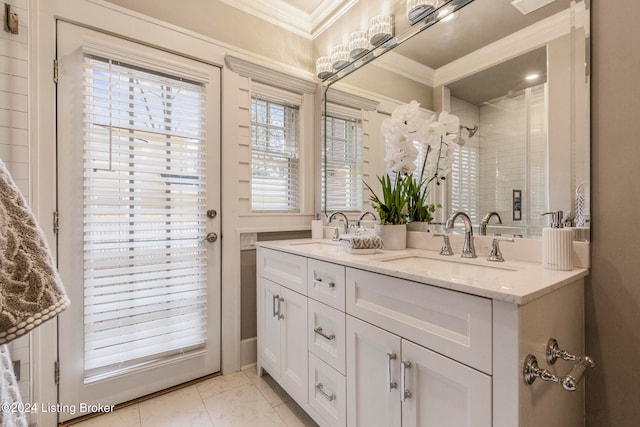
(138,134)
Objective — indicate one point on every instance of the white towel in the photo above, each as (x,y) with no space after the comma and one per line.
(9,393)
(31,291)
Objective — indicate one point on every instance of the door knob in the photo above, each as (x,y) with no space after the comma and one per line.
(211,237)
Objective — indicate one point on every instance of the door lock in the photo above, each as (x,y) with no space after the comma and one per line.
(212,213)
(211,237)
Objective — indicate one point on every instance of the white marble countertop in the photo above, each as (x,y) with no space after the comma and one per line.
(517,282)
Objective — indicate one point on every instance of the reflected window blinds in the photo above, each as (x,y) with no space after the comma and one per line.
(342,173)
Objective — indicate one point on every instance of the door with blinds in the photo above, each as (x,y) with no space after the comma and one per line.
(138,193)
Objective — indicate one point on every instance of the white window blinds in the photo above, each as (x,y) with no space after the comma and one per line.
(144,216)
(275,161)
(464,181)
(342,172)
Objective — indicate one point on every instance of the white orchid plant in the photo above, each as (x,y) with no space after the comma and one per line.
(404,198)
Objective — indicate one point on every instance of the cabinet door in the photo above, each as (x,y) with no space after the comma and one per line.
(371,370)
(269,333)
(443,392)
(293,344)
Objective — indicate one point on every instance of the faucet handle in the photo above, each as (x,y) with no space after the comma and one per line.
(446,246)
(495,254)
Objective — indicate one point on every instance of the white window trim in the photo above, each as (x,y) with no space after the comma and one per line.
(306,88)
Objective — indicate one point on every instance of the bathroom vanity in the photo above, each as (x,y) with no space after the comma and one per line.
(412,338)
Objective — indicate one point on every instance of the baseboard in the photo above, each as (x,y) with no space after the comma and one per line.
(248,352)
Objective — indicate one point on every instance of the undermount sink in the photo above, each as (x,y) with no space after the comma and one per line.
(425,263)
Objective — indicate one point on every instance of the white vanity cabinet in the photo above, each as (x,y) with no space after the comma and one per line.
(394,382)
(356,343)
(282,321)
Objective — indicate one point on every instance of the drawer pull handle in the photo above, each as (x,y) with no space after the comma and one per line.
(320,282)
(404,393)
(318,331)
(392,384)
(273,305)
(330,397)
(280,315)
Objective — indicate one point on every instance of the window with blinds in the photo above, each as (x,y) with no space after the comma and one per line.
(464,181)
(275,159)
(342,174)
(144,216)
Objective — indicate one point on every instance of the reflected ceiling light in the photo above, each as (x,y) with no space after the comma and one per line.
(323,67)
(340,56)
(532,76)
(447,14)
(380,29)
(358,44)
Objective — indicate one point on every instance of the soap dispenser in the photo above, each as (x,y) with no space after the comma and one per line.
(557,244)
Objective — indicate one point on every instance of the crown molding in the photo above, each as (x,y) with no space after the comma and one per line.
(325,15)
(292,19)
(269,76)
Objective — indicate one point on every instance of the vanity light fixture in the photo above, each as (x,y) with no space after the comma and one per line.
(417,10)
(358,44)
(323,67)
(380,29)
(340,56)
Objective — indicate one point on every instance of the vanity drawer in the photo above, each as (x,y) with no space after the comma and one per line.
(283,268)
(326,283)
(452,323)
(327,393)
(327,334)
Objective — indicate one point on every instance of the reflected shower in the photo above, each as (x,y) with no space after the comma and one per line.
(471,131)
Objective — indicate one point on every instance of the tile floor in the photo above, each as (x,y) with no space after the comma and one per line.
(241,399)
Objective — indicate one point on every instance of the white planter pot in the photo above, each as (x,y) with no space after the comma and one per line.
(394,236)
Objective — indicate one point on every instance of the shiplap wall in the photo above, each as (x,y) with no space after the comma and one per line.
(14,134)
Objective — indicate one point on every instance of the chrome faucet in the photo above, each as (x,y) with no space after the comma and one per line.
(346,224)
(363,215)
(485,222)
(468,250)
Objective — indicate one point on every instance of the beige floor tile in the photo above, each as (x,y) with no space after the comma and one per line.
(242,406)
(221,384)
(180,408)
(269,388)
(294,416)
(128,416)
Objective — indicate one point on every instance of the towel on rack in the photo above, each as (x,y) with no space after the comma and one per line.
(31,291)
(9,392)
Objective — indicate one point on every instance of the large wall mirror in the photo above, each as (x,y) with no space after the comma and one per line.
(519,84)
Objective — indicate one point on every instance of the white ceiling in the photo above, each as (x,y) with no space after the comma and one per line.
(307,18)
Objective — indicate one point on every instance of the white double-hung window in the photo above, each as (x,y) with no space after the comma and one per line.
(342,172)
(275,149)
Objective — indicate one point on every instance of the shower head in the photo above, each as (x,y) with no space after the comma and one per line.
(471,131)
